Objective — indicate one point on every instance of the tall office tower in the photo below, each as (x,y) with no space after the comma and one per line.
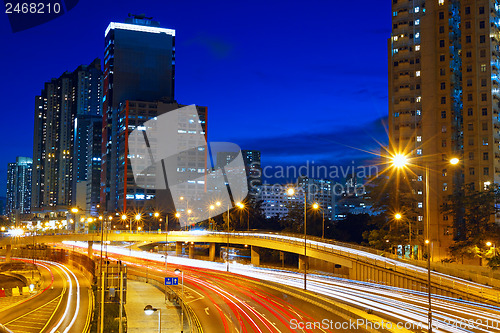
(320,191)
(139,193)
(443,103)
(139,65)
(60,143)
(19,187)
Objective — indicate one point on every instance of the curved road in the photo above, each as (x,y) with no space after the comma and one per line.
(61,306)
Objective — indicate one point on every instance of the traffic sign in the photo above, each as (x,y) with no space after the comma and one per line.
(171,281)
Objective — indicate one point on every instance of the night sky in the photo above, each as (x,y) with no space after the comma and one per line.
(298,80)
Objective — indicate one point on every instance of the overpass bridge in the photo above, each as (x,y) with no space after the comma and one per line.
(356,262)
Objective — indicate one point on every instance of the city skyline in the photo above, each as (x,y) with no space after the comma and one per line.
(204,47)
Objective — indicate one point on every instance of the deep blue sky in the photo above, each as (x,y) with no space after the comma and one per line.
(298,80)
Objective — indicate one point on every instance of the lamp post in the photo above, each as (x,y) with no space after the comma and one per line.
(241,206)
(149,310)
(291,192)
(177,272)
(212,207)
(401,161)
(137,219)
(397,217)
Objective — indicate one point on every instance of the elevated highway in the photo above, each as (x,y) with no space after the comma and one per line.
(358,263)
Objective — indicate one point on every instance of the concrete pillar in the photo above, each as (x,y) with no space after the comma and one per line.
(8,253)
(255,255)
(178,248)
(302,261)
(211,252)
(191,250)
(89,248)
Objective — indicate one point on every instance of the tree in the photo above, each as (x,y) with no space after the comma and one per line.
(389,195)
(473,214)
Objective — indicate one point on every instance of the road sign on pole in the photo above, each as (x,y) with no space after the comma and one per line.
(171,281)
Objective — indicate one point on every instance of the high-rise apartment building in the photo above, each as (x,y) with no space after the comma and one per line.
(443,103)
(19,187)
(320,191)
(139,65)
(61,136)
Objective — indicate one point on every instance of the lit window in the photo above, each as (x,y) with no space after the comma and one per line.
(441,2)
(417,9)
(417,35)
(419,151)
(420,205)
(419,138)
(420,218)
(417,73)
(445,187)
(419,112)
(418,99)
(417,22)
(395,38)
(417,47)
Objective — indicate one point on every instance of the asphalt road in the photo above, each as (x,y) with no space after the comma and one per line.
(61,306)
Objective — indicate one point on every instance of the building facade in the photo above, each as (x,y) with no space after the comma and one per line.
(275,200)
(320,191)
(19,187)
(134,194)
(139,65)
(61,134)
(443,103)
(251,159)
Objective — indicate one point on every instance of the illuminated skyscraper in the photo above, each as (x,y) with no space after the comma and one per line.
(139,65)
(19,187)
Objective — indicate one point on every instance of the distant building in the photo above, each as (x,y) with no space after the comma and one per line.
(351,201)
(253,168)
(275,199)
(19,187)
(61,136)
(321,192)
(139,65)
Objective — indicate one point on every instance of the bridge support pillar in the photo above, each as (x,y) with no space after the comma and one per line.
(89,248)
(303,261)
(255,255)
(8,253)
(178,248)
(211,252)
(191,250)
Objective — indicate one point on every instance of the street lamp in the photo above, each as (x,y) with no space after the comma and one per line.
(177,272)
(291,192)
(241,206)
(429,312)
(212,207)
(149,310)
(400,161)
(137,218)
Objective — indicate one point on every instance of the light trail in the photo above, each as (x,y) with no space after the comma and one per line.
(396,303)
